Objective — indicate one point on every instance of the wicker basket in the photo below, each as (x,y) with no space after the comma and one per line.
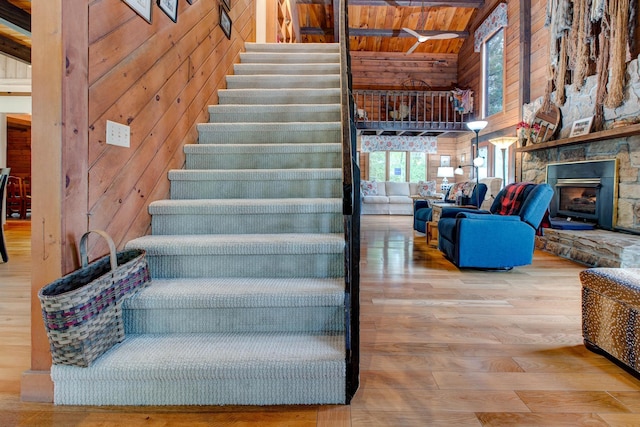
(82,310)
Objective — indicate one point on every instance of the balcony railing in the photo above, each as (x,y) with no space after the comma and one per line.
(427,111)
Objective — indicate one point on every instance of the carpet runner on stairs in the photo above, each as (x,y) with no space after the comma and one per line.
(246,305)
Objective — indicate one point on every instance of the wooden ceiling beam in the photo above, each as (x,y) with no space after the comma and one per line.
(475,4)
(374,32)
(15,15)
(15,50)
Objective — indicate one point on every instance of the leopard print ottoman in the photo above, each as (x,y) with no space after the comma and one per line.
(611,313)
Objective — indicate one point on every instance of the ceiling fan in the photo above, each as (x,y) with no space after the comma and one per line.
(422,39)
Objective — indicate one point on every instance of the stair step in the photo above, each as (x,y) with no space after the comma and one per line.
(290,69)
(278,96)
(210,369)
(274,113)
(209,305)
(289,58)
(293,47)
(205,216)
(276,81)
(263,156)
(243,255)
(273,133)
(255,184)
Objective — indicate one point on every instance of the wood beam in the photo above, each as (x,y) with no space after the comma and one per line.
(15,50)
(475,4)
(15,15)
(374,32)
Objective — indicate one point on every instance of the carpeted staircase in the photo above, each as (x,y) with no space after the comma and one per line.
(246,306)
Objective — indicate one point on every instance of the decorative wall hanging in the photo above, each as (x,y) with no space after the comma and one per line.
(141,7)
(225,22)
(494,22)
(421,144)
(227,4)
(584,33)
(170,7)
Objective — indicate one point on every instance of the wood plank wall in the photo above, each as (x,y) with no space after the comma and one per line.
(19,146)
(158,79)
(389,70)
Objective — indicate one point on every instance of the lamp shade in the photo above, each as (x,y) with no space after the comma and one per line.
(459,171)
(478,125)
(504,142)
(445,172)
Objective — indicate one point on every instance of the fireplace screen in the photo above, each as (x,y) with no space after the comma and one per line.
(578,197)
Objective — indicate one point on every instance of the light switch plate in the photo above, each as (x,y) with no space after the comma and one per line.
(118,134)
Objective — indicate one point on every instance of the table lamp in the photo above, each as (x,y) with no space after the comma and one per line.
(445,172)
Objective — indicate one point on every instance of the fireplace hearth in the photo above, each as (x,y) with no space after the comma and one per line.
(584,191)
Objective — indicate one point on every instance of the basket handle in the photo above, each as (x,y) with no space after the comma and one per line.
(112,248)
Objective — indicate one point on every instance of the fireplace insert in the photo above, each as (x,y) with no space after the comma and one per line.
(584,191)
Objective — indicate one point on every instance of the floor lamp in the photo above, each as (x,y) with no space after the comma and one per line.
(477,126)
(504,143)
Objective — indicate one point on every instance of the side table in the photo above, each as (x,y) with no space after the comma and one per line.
(432,226)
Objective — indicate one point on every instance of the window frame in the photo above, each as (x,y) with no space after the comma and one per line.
(407,162)
(484,74)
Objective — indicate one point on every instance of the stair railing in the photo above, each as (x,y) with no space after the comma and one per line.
(351,211)
(288,22)
(435,110)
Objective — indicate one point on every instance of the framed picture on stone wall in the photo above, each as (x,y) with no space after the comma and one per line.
(581,127)
(141,7)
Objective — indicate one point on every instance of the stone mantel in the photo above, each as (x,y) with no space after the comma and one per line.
(620,132)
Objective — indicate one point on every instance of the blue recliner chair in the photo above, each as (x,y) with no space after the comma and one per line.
(422,210)
(500,238)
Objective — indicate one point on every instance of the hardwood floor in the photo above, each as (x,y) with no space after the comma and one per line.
(440,347)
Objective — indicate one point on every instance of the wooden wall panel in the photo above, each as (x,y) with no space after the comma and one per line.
(469,67)
(539,49)
(160,85)
(376,70)
(19,149)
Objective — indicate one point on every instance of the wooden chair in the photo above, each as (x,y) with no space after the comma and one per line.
(15,199)
(4,176)
(26,193)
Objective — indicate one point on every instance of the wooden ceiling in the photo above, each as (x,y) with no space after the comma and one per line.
(376,25)
(15,29)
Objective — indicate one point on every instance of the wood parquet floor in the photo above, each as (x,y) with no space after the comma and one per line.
(440,347)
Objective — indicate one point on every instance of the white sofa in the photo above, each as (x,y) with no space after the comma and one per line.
(392,198)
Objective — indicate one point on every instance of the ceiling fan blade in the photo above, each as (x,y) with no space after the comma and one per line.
(443,36)
(413,33)
(413,48)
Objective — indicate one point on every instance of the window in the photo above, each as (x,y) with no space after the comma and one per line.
(378,166)
(493,73)
(417,167)
(396,166)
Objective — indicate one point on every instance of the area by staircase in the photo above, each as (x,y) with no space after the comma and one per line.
(247,300)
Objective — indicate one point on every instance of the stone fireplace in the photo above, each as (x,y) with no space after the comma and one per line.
(614,242)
